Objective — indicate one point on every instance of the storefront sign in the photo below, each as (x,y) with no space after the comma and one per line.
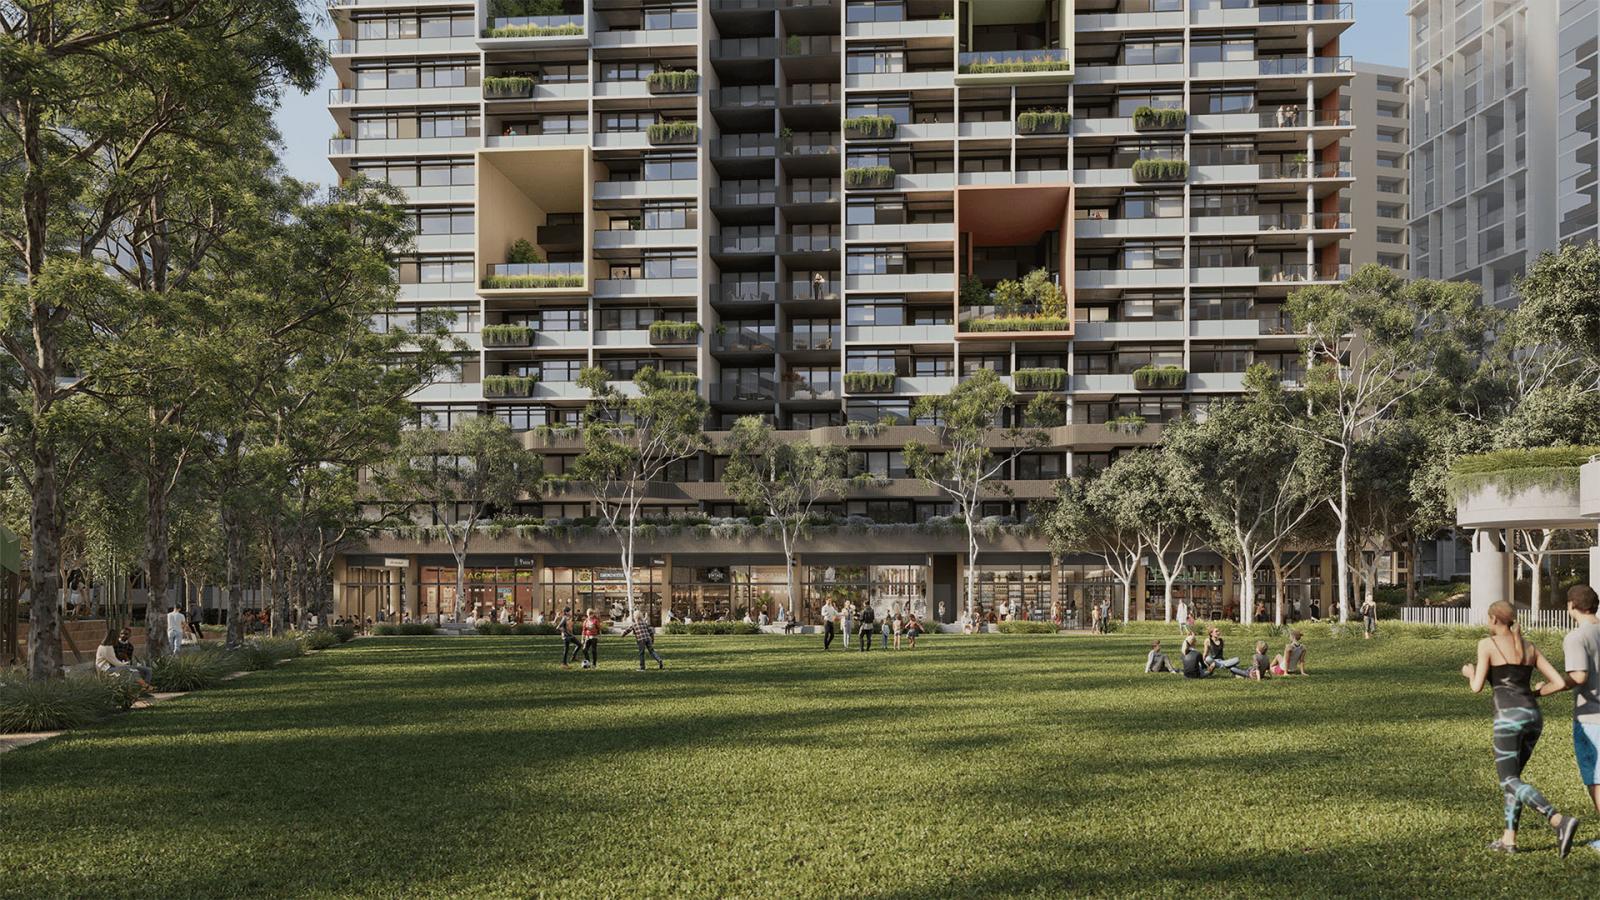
(395,562)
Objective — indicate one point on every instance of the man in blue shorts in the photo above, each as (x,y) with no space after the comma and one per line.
(1581,647)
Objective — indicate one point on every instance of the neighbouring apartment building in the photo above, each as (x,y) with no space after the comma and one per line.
(1505,135)
(814,182)
(1378,147)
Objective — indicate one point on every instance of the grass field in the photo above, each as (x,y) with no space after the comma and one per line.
(974,766)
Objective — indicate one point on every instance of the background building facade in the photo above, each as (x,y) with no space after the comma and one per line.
(1380,196)
(1505,131)
(822,186)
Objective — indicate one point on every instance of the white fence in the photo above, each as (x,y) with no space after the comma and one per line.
(1459,615)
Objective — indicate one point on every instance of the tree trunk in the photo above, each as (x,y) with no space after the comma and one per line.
(44,581)
(233,566)
(280,590)
(972,571)
(627,566)
(1280,586)
(1341,548)
(1247,590)
(788,573)
(461,584)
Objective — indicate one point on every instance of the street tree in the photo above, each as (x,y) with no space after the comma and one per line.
(1085,519)
(1153,493)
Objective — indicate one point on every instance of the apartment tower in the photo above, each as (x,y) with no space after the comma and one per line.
(831,190)
(1378,147)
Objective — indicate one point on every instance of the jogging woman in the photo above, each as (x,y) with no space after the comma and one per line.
(1506,662)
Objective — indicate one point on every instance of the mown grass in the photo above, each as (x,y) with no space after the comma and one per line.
(974,766)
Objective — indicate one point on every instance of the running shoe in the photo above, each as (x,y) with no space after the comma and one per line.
(1502,847)
(1565,834)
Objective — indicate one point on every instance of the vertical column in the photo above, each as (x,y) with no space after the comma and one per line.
(1490,571)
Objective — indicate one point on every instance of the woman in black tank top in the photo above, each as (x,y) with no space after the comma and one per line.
(1506,662)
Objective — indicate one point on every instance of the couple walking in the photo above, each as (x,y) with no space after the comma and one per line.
(1506,662)
(862,621)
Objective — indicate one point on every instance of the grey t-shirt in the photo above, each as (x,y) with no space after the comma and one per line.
(1582,650)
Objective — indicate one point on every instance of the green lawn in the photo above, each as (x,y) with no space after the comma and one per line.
(974,766)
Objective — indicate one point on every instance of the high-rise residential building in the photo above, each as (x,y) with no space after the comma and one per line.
(1505,135)
(831,189)
(1378,148)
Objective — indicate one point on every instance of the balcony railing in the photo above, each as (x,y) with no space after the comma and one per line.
(798,45)
(811,144)
(1303,65)
(803,341)
(744,96)
(533,275)
(763,390)
(1303,272)
(811,390)
(811,195)
(810,243)
(744,341)
(744,197)
(812,94)
(1014,62)
(761,293)
(744,146)
(1299,13)
(810,292)
(534,26)
(744,48)
(745,243)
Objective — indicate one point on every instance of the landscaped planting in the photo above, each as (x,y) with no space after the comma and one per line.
(870,127)
(1148,377)
(508,282)
(191,670)
(1023,627)
(869,382)
(998,66)
(1150,118)
(673,81)
(1145,170)
(665,332)
(673,132)
(507,336)
(508,385)
(1511,471)
(711,628)
(508,87)
(678,381)
(1043,766)
(567,29)
(869,176)
(1017,323)
(1044,121)
(1039,379)
(27,705)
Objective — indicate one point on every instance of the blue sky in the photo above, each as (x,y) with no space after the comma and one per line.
(1379,36)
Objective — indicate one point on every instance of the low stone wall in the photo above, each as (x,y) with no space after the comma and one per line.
(86,635)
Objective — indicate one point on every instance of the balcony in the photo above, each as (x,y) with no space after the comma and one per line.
(747,96)
(929,232)
(1268,15)
(903,282)
(759,391)
(557,139)
(338,47)
(508,87)
(754,294)
(654,37)
(900,334)
(900,81)
(644,239)
(742,340)
(636,288)
(901,28)
(535,276)
(1108,279)
(1011,66)
(810,243)
(643,190)
(528,32)
(1119,22)
(401,96)
(1115,74)
(764,244)
(804,292)
(1128,331)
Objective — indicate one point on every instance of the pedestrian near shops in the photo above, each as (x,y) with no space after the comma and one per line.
(569,642)
(645,636)
(847,617)
(591,640)
(175,627)
(868,619)
(830,616)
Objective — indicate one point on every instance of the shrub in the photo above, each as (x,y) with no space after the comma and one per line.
(1160,170)
(1024,627)
(665,331)
(513,282)
(418,628)
(511,31)
(494,628)
(673,81)
(1148,118)
(522,252)
(869,176)
(386,629)
(320,639)
(677,381)
(973,293)
(1146,377)
(1047,121)
(721,628)
(344,633)
(675,628)
(871,126)
(120,692)
(530,628)
(507,335)
(53,704)
(264,653)
(1017,323)
(501,86)
(508,385)
(675,132)
(869,382)
(191,671)
(1551,468)
(1039,379)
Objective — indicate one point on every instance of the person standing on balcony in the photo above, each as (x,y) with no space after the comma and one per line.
(817,285)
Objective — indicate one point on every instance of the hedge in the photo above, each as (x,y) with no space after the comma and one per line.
(507,282)
(869,382)
(318,639)
(872,126)
(507,335)
(1016,626)
(1149,117)
(1018,323)
(1039,379)
(674,81)
(508,385)
(189,671)
(418,628)
(711,628)
(1551,468)
(1045,120)
(663,330)
(1159,376)
(1160,170)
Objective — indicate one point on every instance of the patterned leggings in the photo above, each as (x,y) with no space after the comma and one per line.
(1516,731)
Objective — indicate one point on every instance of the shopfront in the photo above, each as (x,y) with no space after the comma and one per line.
(501,592)
(1014,591)
(368,589)
(603,589)
(1083,585)
(889,588)
(705,593)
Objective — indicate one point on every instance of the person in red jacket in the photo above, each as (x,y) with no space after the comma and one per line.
(591,640)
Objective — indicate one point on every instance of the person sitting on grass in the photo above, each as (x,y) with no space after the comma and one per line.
(109,658)
(913,631)
(1194,664)
(1214,654)
(1294,655)
(1157,661)
(1261,667)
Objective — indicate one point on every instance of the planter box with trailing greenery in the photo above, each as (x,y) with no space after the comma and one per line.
(507,336)
(999,66)
(508,385)
(1044,121)
(1146,378)
(508,87)
(673,81)
(1149,118)
(997,324)
(1519,487)
(678,381)
(526,282)
(673,133)
(869,382)
(1147,170)
(1039,379)
(569,29)
(663,332)
(870,177)
(869,128)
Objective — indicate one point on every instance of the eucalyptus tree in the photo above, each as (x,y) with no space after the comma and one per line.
(1085,518)
(1371,343)
(973,449)
(632,440)
(1152,493)
(462,477)
(784,480)
(100,106)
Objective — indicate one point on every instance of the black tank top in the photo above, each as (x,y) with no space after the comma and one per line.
(1511,690)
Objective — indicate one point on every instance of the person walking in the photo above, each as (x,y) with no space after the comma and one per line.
(847,617)
(1506,662)
(913,631)
(883,630)
(899,627)
(1369,618)
(830,616)
(196,617)
(868,618)
(645,636)
(176,623)
(569,641)
(1581,649)
(1183,616)
(591,640)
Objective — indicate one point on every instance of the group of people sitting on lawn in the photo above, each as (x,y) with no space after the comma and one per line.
(1192,663)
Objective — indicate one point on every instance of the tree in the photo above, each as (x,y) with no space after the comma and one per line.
(631,444)
(1151,493)
(99,104)
(1085,519)
(464,477)
(973,453)
(784,480)
(1256,487)
(1371,343)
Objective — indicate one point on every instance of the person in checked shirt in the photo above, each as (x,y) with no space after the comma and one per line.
(646,637)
